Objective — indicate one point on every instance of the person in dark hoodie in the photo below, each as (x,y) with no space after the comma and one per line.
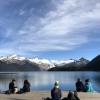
(79,86)
(26,87)
(56,92)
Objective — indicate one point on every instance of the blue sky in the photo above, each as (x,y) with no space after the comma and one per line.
(53,29)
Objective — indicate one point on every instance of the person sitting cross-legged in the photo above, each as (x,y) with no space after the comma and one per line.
(56,93)
(26,87)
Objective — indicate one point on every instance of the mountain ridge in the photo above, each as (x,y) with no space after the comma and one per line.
(21,63)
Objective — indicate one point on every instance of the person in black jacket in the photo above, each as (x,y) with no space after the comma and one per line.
(56,92)
(12,86)
(79,86)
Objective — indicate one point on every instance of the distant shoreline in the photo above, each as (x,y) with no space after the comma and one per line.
(15,72)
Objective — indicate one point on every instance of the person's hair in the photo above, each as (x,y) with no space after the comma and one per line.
(26,81)
(13,80)
(78,79)
(87,80)
(70,95)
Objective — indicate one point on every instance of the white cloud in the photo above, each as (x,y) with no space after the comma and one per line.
(61,28)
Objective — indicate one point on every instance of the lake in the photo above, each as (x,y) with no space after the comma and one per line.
(45,80)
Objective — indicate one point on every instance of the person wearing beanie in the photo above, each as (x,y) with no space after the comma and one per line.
(56,92)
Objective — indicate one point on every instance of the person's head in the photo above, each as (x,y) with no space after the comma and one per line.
(26,81)
(70,95)
(56,85)
(75,93)
(13,80)
(87,80)
(78,79)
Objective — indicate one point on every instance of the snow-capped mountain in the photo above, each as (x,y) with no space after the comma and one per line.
(44,63)
(50,63)
(72,65)
(40,64)
(17,63)
(13,59)
(62,62)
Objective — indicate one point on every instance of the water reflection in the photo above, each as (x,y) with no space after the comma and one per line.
(45,80)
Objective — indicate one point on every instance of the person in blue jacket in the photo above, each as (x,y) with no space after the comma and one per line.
(88,86)
(56,92)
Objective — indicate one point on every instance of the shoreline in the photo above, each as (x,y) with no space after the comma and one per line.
(38,95)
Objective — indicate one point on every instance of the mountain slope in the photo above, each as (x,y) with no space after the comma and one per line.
(76,65)
(17,63)
(26,66)
(94,64)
